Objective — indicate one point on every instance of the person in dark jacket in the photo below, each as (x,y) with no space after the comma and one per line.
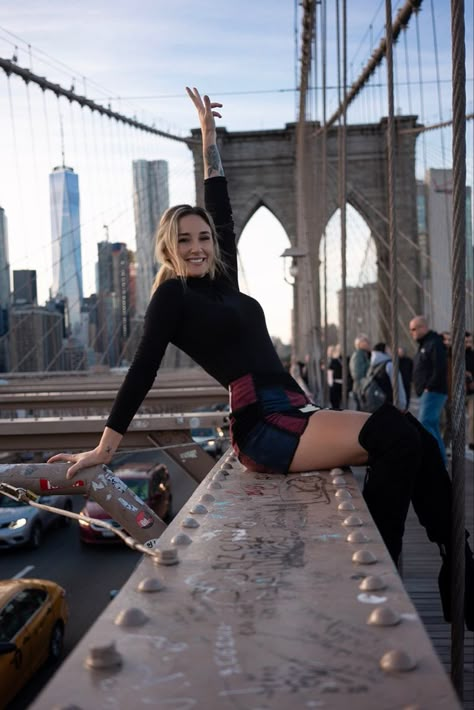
(430,377)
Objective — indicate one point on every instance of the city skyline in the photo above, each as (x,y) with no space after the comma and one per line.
(143,73)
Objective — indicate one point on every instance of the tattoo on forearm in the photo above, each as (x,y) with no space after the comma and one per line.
(213,161)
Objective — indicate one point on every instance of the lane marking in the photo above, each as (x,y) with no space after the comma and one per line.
(23,572)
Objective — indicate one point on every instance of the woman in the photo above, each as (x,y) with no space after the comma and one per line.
(274,427)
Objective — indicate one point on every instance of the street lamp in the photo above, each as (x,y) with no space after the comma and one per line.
(293,253)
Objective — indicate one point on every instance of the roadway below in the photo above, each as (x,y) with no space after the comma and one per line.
(88,573)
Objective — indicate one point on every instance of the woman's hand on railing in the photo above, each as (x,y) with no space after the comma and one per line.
(86,459)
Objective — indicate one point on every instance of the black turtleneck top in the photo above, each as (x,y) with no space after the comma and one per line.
(220,328)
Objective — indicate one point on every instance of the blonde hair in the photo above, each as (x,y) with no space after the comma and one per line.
(166,244)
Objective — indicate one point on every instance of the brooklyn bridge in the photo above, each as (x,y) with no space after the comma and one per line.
(365,193)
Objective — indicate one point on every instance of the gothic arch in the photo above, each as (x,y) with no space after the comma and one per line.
(261,169)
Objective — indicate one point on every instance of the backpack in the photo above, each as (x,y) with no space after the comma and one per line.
(375,388)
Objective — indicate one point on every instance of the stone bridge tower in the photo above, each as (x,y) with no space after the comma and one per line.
(260,167)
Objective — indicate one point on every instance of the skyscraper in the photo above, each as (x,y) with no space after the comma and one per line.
(150,200)
(66,241)
(114,289)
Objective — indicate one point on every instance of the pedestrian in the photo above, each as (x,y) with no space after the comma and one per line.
(274,427)
(445,423)
(335,377)
(430,377)
(381,367)
(358,365)
(469,388)
(405,365)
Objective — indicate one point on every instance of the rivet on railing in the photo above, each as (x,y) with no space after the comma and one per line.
(384,616)
(207,498)
(218,476)
(336,472)
(372,583)
(181,539)
(167,556)
(131,617)
(397,661)
(353,521)
(190,523)
(339,481)
(150,584)
(357,536)
(343,494)
(198,509)
(100,657)
(346,505)
(227,466)
(214,485)
(364,557)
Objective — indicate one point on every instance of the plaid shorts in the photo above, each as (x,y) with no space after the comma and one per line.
(268,415)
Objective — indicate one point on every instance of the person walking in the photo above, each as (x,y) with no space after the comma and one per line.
(274,427)
(430,377)
(359,364)
(382,367)
(335,377)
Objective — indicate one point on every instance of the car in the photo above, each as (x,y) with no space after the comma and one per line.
(151,483)
(211,439)
(22,524)
(33,618)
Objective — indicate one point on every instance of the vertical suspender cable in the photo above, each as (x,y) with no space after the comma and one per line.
(391,201)
(458,323)
(324,212)
(343,199)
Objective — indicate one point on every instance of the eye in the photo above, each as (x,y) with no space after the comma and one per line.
(183,240)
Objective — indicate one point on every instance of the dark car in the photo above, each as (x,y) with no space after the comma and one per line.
(151,483)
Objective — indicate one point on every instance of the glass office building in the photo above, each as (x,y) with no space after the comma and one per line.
(66,242)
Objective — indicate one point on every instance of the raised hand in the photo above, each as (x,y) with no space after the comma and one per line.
(205,108)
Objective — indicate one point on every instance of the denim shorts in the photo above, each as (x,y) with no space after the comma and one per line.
(267,418)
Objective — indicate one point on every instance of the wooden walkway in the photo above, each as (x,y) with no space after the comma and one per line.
(421,564)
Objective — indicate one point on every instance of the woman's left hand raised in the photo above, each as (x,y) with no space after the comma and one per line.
(205,108)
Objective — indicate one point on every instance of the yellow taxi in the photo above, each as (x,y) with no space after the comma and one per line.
(33,616)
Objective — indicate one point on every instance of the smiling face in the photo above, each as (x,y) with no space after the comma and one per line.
(195,245)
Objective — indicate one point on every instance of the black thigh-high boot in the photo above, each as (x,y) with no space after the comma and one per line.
(393,445)
(431,498)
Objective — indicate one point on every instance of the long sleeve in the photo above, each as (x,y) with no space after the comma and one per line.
(161,321)
(217,202)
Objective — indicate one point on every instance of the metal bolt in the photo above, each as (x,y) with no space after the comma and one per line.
(372,584)
(346,505)
(168,556)
(181,539)
(150,584)
(198,509)
(207,498)
(190,523)
(131,617)
(226,466)
(214,485)
(343,494)
(336,472)
(364,557)
(353,521)
(397,661)
(357,536)
(339,481)
(100,657)
(219,476)
(384,616)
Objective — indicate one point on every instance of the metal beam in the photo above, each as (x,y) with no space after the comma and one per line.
(269,605)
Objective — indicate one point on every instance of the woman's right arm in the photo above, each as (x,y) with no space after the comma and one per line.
(163,316)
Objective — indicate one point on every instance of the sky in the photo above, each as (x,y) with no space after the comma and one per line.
(138,56)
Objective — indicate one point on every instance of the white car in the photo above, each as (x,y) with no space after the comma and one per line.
(21,524)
